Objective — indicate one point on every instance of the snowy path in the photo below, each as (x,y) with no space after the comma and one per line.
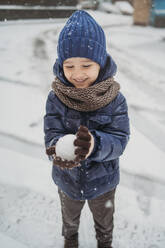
(11,81)
(30,210)
(33,219)
(141,75)
(9,242)
(29,205)
(21,145)
(29,216)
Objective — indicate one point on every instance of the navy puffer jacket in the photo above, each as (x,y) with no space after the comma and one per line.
(109,125)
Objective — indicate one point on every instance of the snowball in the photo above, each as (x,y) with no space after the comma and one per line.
(65,147)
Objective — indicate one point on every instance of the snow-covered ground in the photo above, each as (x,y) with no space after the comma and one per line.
(117,7)
(29,205)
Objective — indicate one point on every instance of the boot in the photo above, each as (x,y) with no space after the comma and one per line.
(71,242)
(103,245)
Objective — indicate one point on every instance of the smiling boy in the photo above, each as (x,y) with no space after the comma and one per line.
(85,100)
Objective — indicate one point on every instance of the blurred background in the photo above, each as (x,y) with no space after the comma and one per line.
(29,205)
(144,11)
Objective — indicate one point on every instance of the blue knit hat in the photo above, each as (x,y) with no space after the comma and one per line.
(82,36)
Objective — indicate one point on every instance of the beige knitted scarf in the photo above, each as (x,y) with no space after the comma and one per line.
(87,99)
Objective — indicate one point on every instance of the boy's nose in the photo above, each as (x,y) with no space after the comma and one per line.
(78,76)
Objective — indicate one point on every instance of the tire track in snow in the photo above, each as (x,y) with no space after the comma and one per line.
(32,22)
(21,145)
(8,80)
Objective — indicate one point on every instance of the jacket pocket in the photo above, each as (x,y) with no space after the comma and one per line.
(96,171)
(110,166)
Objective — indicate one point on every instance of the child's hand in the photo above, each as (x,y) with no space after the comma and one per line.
(62,163)
(84,146)
(84,143)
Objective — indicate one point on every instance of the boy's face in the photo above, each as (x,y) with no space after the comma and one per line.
(81,72)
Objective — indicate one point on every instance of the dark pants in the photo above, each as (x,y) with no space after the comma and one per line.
(102,209)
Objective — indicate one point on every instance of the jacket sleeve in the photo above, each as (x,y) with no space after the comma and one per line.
(112,138)
(53,127)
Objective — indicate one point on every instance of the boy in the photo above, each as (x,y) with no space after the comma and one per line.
(85,100)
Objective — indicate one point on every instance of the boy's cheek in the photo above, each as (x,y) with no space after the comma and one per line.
(67,74)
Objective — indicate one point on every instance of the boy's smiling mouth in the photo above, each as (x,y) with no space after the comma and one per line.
(80,81)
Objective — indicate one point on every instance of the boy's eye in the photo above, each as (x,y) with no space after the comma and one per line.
(69,66)
(86,66)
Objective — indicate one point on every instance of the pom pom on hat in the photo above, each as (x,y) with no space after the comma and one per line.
(82,36)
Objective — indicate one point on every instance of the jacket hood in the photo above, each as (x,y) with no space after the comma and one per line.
(109,70)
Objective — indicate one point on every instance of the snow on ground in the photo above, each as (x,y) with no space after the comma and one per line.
(116,8)
(22,110)
(25,59)
(109,8)
(138,159)
(30,209)
(9,242)
(125,7)
(29,205)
